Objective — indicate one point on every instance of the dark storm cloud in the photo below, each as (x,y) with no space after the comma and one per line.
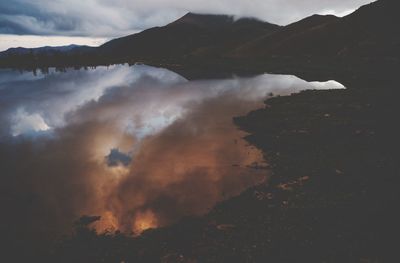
(116,158)
(111,18)
(22,18)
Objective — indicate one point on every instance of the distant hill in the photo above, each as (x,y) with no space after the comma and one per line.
(43,50)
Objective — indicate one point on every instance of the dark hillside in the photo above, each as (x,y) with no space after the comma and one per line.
(193,34)
(369,32)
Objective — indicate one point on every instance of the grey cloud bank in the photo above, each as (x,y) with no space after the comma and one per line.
(113,18)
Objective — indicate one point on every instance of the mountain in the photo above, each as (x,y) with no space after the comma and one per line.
(43,50)
(286,41)
(192,35)
(371,31)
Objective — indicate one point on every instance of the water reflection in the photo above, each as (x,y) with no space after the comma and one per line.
(140,146)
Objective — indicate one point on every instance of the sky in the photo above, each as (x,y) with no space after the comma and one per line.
(93,22)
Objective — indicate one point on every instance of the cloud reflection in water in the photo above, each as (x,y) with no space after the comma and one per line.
(140,146)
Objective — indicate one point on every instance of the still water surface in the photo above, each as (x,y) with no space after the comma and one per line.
(140,146)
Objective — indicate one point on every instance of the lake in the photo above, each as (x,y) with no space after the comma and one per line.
(139,146)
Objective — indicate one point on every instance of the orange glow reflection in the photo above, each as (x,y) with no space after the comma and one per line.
(143,221)
(183,170)
(107,223)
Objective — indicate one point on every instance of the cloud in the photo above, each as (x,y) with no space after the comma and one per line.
(24,123)
(113,18)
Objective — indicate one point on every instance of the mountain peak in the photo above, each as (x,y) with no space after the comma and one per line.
(204,20)
(217,21)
